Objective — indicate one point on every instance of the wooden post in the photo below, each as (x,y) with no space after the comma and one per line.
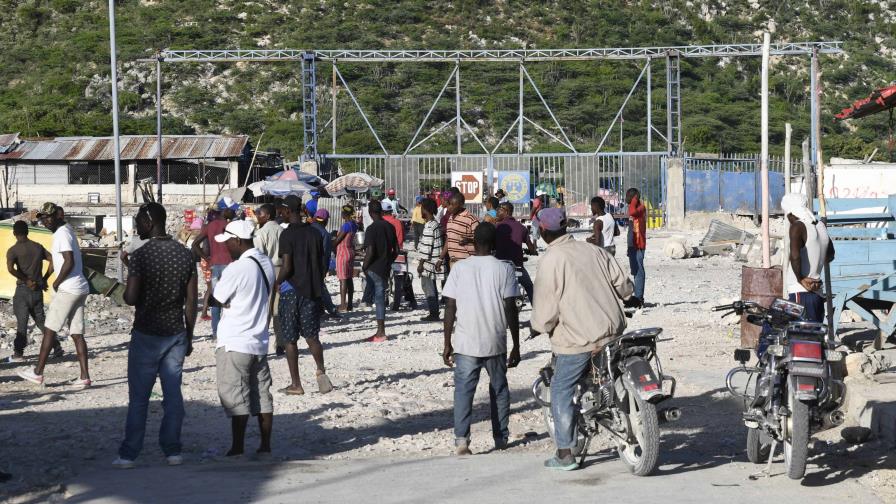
(822,204)
(787,175)
(763,161)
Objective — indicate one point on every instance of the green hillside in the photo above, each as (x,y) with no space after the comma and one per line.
(55,72)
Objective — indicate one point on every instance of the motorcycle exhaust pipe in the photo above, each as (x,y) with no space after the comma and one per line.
(834,419)
(668,415)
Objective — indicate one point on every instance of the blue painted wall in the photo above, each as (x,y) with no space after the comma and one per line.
(733,192)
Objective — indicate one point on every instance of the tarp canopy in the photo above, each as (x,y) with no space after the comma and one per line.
(880,100)
(358,182)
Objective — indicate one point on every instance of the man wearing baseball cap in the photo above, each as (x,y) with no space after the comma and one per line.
(392,199)
(402,285)
(578,303)
(71,290)
(243,375)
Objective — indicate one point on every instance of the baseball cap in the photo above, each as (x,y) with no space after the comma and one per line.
(552,219)
(293,202)
(387,206)
(391,192)
(321,214)
(48,208)
(241,229)
(315,194)
(418,199)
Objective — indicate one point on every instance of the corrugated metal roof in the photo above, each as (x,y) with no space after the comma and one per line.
(132,148)
(8,141)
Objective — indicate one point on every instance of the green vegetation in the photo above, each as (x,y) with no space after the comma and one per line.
(55,78)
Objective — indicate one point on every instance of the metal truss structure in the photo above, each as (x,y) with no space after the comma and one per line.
(670,54)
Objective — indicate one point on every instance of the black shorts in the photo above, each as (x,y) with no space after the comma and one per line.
(299,316)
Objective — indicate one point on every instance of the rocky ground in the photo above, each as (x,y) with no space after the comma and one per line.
(395,398)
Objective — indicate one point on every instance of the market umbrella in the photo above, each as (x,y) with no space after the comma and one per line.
(298,176)
(358,182)
(281,188)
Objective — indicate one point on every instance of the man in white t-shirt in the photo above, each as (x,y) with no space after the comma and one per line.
(71,290)
(480,295)
(244,378)
(605,229)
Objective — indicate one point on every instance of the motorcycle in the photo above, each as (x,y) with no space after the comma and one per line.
(619,393)
(795,393)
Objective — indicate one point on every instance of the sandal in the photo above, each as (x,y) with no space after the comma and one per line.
(323,383)
(291,391)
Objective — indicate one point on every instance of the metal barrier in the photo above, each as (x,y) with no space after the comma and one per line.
(575,178)
(730,183)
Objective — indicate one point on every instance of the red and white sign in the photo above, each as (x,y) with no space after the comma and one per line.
(470,185)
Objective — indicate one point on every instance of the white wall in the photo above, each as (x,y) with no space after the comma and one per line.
(33,196)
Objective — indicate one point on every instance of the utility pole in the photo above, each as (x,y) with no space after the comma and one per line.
(115,134)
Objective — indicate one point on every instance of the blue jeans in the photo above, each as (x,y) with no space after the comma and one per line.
(636,264)
(466,377)
(378,286)
(367,297)
(148,357)
(568,370)
(812,302)
(217,270)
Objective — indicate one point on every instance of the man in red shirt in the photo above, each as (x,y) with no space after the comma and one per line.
(402,282)
(637,243)
(389,217)
(218,256)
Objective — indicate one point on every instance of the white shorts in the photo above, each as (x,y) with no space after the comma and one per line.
(66,307)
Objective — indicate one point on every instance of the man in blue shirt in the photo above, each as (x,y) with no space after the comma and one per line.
(321,219)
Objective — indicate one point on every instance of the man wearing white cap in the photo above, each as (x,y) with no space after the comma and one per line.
(244,379)
(810,249)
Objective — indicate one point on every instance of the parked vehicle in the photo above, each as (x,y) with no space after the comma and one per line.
(619,393)
(791,392)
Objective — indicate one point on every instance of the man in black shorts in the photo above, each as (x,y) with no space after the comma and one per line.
(300,281)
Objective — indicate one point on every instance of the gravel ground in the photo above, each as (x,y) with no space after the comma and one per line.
(393,398)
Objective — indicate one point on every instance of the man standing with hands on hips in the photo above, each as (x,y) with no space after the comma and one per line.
(71,290)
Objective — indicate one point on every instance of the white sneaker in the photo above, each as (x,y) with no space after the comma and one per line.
(30,375)
(123,463)
(175,460)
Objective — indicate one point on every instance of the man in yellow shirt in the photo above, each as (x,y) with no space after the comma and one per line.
(417,220)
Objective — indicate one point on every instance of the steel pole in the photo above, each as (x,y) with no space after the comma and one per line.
(113,61)
(668,104)
(819,188)
(519,131)
(649,106)
(159,126)
(333,140)
(458,130)
(763,160)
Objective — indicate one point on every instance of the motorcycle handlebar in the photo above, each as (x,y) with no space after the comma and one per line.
(738,306)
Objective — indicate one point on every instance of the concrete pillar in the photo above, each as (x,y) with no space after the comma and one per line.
(131,187)
(234,177)
(675,192)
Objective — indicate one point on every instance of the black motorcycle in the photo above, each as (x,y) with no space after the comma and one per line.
(792,391)
(619,393)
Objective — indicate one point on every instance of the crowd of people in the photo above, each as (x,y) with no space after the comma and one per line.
(281,256)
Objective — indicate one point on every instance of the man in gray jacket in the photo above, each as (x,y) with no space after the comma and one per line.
(578,302)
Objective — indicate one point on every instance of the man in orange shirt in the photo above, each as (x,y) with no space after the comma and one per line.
(459,231)
(637,243)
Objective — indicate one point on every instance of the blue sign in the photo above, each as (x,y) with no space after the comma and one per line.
(516,185)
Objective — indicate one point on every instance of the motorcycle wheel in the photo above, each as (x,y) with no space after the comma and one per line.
(796,448)
(641,458)
(758,448)
(545,394)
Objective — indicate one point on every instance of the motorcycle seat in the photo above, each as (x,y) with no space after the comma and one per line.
(650,332)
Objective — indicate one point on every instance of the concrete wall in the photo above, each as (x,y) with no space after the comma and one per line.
(32,196)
